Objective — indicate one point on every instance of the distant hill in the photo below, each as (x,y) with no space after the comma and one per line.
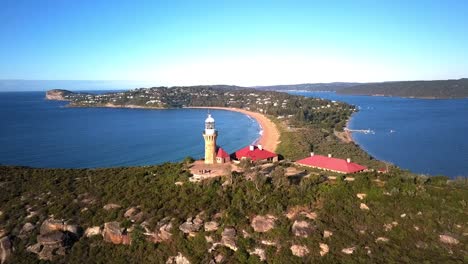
(418,89)
(335,86)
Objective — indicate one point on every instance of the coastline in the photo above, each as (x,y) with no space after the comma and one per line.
(269,136)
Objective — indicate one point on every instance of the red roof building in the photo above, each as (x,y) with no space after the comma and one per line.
(222,156)
(331,164)
(255,153)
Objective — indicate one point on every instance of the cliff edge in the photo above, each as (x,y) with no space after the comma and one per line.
(58,94)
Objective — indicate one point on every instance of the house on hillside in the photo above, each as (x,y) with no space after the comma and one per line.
(255,153)
(329,163)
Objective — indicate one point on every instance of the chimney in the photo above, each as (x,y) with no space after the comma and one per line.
(251,147)
(260,147)
(348,160)
(329,155)
(311,154)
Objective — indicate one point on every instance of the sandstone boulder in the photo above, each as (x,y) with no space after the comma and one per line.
(113,233)
(162,231)
(211,226)
(324,249)
(111,206)
(25,230)
(5,249)
(299,251)
(92,231)
(302,228)
(327,234)
(364,206)
(259,252)
(348,251)
(361,196)
(191,225)
(134,214)
(382,240)
(50,245)
(448,240)
(228,238)
(179,259)
(52,224)
(263,223)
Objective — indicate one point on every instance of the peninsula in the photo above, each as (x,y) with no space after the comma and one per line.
(296,210)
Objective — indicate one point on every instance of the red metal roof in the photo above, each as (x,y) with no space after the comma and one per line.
(222,153)
(331,163)
(255,154)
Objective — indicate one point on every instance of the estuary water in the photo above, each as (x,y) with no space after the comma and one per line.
(40,133)
(423,135)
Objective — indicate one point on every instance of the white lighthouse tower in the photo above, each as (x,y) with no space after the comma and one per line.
(210,134)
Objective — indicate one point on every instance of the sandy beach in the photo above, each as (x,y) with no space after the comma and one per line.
(269,138)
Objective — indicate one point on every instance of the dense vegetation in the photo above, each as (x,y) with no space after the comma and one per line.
(423,208)
(419,89)
(335,86)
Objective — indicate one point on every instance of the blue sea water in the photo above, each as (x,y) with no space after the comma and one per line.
(40,133)
(422,135)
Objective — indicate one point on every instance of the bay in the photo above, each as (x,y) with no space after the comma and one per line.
(423,135)
(40,133)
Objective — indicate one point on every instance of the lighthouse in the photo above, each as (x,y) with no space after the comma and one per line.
(210,134)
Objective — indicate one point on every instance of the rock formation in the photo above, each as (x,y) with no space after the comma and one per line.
(263,223)
(228,238)
(5,249)
(192,225)
(92,231)
(302,228)
(113,233)
(448,240)
(179,259)
(299,251)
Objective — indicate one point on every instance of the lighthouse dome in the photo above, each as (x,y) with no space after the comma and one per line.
(209,119)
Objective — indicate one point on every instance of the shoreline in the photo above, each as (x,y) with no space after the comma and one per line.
(269,133)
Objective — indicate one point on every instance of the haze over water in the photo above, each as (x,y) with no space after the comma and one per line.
(422,135)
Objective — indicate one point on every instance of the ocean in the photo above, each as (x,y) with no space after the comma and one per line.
(423,135)
(40,133)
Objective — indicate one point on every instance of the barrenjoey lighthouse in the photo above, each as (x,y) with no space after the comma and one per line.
(210,134)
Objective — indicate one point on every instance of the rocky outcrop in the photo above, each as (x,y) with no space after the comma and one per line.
(324,249)
(179,259)
(134,214)
(228,238)
(5,249)
(211,226)
(162,231)
(263,223)
(111,206)
(348,251)
(327,233)
(50,245)
(26,230)
(52,224)
(113,233)
(259,252)
(364,206)
(382,240)
(446,239)
(54,239)
(57,94)
(302,228)
(192,225)
(92,231)
(361,196)
(299,251)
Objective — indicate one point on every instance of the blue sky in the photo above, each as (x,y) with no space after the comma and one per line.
(233,42)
